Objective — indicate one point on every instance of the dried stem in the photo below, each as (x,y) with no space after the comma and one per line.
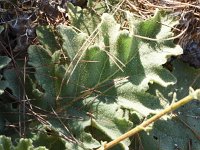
(146,123)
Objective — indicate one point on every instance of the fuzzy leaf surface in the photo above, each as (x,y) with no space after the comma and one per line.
(110,80)
(186,117)
(47,38)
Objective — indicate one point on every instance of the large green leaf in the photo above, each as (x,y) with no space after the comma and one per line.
(108,82)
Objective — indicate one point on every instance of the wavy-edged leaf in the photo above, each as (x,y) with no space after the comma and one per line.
(110,79)
(72,41)
(47,38)
(45,72)
(185,118)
